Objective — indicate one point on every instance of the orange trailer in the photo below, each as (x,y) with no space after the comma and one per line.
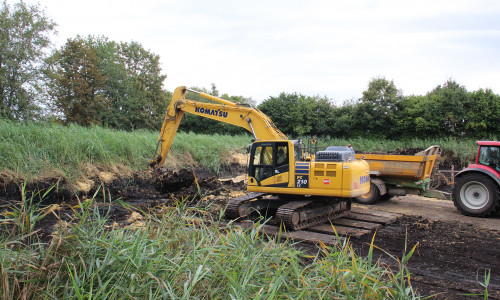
(398,175)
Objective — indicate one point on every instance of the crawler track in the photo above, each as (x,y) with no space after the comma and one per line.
(303,214)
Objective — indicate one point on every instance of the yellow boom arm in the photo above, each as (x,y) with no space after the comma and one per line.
(225,111)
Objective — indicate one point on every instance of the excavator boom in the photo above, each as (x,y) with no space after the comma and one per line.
(225,111)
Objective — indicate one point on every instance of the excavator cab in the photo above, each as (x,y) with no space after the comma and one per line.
(270,163)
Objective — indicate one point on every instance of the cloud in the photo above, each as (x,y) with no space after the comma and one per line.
(260,48)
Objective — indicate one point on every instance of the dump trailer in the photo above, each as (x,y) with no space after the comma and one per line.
(399,175)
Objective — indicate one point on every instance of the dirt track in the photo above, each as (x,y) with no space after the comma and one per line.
(435,209)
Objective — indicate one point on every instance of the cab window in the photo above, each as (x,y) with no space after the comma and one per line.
(282,156)
(263,163)
(263,156)
(490,156)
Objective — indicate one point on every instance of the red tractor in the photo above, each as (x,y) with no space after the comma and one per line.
(477,188)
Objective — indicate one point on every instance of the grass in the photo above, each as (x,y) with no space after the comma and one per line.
(32,149)
(22,217)
(173,254)
(209,150)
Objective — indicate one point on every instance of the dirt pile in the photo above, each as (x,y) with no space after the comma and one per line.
(406,151)
(171,181)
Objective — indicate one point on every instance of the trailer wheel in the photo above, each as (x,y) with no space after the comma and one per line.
(371,197)
(386,197)
(476,195)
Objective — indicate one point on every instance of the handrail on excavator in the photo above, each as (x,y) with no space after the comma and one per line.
(214,98)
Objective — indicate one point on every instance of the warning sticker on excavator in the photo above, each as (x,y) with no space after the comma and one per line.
(326,181)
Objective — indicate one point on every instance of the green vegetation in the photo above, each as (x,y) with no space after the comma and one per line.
(25,33)
(32,149)
(35,149)
(96,81)
(384,112)
(210,151)
(172,254)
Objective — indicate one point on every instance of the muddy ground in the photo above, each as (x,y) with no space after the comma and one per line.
(449,262)
(450,259)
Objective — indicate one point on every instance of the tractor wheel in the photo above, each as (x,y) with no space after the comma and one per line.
(476,195)
(371,197)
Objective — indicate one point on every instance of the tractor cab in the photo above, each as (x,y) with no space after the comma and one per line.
(489,155)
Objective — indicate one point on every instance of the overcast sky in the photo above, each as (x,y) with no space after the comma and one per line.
(329,48)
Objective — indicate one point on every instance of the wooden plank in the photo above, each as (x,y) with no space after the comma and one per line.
(369,218)
(314,237)
(373,212)
(341,230)
(357,224)
(299,235)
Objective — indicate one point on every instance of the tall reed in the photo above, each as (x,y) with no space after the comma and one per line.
(173,254)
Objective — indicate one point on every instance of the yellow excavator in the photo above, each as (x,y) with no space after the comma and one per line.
(307,186)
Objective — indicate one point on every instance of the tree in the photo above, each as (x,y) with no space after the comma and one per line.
(299,115)
(117,83)
(375,113)
(449,110)
(126,80)
(284,111)
(453,104)
(483,114)
(78,85)
(144,102)
(24,39)
(342,120)
(419,118)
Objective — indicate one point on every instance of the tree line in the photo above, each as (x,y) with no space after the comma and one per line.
(449,110)
(95,81)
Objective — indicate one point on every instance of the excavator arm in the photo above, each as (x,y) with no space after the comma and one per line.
(225,111)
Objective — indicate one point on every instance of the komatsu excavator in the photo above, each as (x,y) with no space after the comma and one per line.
(308,186)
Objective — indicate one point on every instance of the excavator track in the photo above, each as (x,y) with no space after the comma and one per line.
(294,215)
(240,206)
(302,214)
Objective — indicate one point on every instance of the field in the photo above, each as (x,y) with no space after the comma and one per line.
(98,226)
